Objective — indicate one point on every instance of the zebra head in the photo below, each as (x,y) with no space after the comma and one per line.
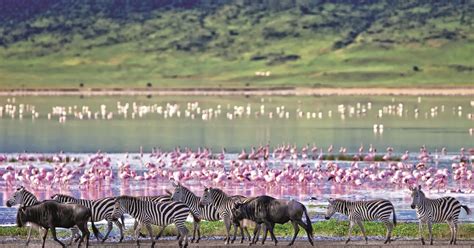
(206,198)
(118,206)
(17,197)
(178,193)
(416,196)
(331,208)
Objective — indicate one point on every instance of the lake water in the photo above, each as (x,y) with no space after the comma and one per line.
(236,122)
(44,126)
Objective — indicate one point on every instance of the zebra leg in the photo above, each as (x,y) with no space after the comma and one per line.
(227,229)
(121,228)
(362,229)
(150,232)
(297,230)
(389,226)
(430,232)
(74,235)
(455,232)
(109,228)
(420,228)
(183,234)
(137,232)
(351,225)
(196,229)
(450,224)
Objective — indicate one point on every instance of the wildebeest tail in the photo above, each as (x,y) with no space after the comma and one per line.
(308,221)
(468,211)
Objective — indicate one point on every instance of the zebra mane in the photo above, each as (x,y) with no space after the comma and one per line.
(217,191)
(185,189)
(126,197)
(63,196)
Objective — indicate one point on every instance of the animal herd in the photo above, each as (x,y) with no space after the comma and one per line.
(235,210)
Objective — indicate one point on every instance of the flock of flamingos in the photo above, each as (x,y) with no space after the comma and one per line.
(283,164)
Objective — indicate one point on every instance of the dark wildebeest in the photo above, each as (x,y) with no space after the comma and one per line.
(270,211)
(52,214)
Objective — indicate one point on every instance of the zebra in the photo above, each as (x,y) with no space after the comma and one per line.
(199,212)
(436,210)
(25,198)
(224,205)
(160,214)
(158,199)
(358,211)
(101,209)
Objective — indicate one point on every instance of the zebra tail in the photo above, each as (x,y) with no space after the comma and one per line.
(468,211)
(308,221)
(94,229)
(394,217)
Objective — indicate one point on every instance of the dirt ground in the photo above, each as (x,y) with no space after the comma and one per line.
(219,243)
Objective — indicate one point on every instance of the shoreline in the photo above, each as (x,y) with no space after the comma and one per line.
(274,91)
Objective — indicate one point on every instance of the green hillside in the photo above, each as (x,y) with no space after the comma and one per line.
(177,43)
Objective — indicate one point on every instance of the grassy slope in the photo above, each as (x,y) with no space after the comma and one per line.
(171,49)
(325,228)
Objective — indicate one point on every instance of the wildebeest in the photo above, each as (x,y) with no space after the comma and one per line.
(52,214)
(270,211)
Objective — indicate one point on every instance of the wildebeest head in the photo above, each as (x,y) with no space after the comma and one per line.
(206,198)
(416,195)
(20,216)
(331,209)
(238,212)
(17,197)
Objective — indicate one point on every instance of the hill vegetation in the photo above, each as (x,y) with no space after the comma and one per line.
(239,43)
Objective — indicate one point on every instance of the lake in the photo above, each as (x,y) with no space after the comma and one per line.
(236,122)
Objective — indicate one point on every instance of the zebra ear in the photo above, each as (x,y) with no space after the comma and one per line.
(331,200)
(173,182)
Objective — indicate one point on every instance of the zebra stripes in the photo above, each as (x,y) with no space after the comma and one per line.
(431,211)
(224,204)
(199,212)
(25,198)
(358,211)
(160,214)
(101,209)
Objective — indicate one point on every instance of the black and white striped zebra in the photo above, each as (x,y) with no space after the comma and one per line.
(152,213)
(224,204)
(430,211)
(101,209)
(155,198)
(25,198)
(199,212)
(358,211)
